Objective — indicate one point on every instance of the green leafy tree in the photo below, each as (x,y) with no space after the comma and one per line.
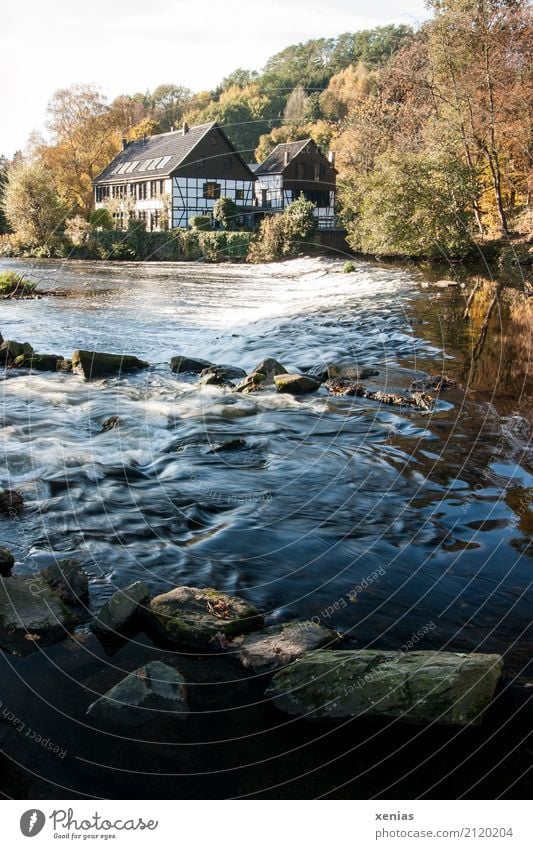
(101,219)
(411,205)
(226,211)
(32,206)
(4,227)
(282,235)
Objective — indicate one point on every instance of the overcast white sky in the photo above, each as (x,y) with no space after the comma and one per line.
(125,46)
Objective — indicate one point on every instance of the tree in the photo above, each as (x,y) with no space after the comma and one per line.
(411,205)
(281,235)
(32,206)
(86,136)
(296,109)
(4,227)
(169,104)
(226,211)
(242,112)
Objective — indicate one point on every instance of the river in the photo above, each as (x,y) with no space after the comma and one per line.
(389,524)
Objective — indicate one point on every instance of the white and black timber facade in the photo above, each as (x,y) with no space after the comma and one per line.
(168,178)
(293,169)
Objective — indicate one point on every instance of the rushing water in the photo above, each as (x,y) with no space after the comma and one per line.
(381,521)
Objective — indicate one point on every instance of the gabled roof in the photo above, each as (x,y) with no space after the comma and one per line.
(155,156)
(277,161)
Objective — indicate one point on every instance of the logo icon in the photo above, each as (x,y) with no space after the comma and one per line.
(32,822)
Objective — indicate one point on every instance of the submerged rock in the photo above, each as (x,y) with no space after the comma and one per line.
(350,372)
(10,350)
(435,382)
(295,384)
(93,364)
(279,645)
(110,424)
(230,445)
(144,696)
(31,613)
(68,581)
(423,687)
(232,372)
(345,386)
(182,364)
(416,400)
(214,376)
(116,612)
(7,561)
(193,617)
(11,502)
(39,362)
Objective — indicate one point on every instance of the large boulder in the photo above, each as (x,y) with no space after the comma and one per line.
(143,697)
(117,611)
(214,376)
(10,350)
(180,365)
(93,364)
(68,581)
(423,687)
(194,617)
(7,561)
(279,645)
(295,384)
(31,613)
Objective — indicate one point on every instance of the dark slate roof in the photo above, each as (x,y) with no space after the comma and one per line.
(275,162)
(174,146)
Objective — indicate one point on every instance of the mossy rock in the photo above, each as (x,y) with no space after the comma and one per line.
(39,362)
(94,364)
(423,687)
(31,614)
(193,617)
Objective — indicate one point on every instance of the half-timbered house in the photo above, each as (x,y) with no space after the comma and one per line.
(167,179)
(293,169)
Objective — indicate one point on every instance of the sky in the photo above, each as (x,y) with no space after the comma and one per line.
(125,46)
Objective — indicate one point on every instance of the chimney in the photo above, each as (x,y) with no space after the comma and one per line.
(331,157)
(185,128)
(173,129)
(124,144)
(286,157)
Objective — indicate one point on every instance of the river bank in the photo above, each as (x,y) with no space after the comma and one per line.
(327,491)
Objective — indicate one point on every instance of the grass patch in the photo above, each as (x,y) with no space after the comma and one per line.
(13,285)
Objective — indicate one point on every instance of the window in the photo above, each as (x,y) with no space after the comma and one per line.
(155,221)
(164,161)
(317,172)
(211,191)
(200,163)
(214,139)
(228,163)
(140,191)
(239,194)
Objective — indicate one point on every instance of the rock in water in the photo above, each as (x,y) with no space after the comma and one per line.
(279,645)
(181,365)
(39,362)
(214,376)
(144,696)
(350,372)
(7,561)
(230,445)
(192,616)
(110,424)
(31,613)
(10,350)
(423,687)
(93,364)
(120,608)
(68,581)
(11,502)
(270,368)
(251,383)
(295,384)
